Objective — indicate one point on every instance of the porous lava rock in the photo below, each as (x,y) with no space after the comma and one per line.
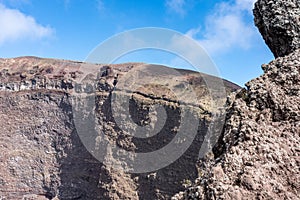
(258,154)
(279,23)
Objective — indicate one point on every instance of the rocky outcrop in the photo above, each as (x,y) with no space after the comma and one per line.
(279,23)
(257,156)
(43,156)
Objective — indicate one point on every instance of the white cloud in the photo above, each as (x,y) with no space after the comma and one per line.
(176,6)
(100,5)
(245,4)
(226,28)
(15,25)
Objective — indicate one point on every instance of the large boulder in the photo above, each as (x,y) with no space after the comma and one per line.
(279,23)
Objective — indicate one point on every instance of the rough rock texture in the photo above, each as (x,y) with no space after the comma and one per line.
(258,154)
(279,23)
(42,156)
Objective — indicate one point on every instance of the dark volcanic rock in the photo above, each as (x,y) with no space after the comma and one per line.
(279,23)
(258,154)
(42,155)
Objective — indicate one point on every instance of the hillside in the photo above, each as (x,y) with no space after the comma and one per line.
(45,154)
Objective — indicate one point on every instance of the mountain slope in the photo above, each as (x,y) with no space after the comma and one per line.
(44,155)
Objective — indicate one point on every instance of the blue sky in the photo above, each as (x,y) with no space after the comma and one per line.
(71,29)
